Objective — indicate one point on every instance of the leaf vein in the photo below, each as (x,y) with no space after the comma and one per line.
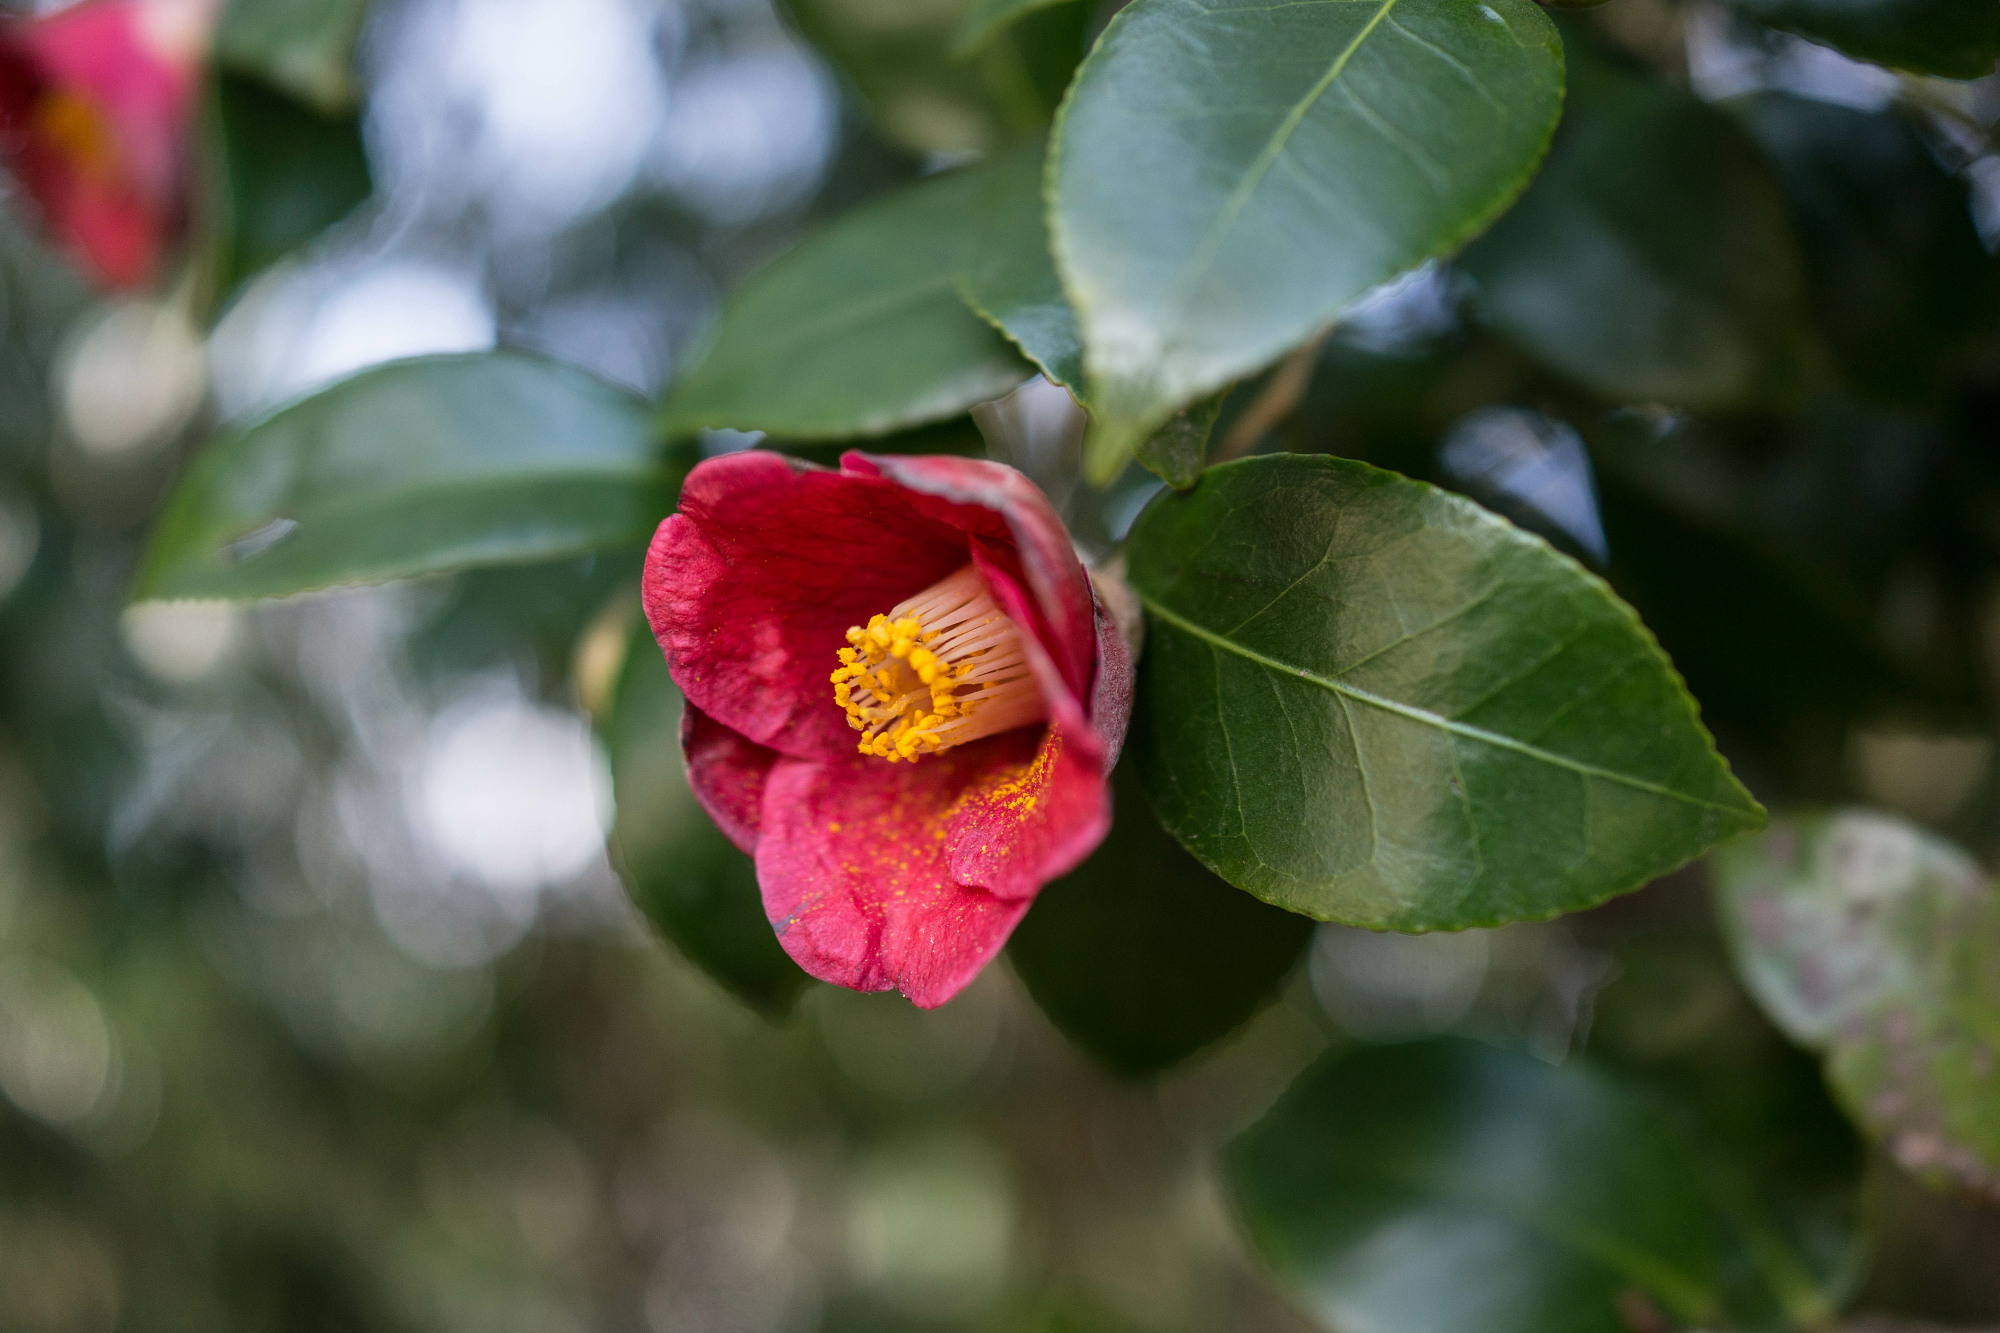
(1274,147)
(1229,748)
(1428,718)
(1448,58)
(1410,636)
(1410,148)
(1361,770)
(1464,792)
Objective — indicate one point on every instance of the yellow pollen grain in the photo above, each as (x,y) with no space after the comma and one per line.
(1022,792)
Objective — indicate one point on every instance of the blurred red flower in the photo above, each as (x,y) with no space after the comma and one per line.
(95,102)
(903,698)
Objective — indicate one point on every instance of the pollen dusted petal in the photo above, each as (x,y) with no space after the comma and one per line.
(750,587)
(855,867)
(876,874)
(943,668)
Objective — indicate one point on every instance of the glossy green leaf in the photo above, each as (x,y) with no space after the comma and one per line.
(988,18)
(1176,451)
(531,616)
(1880,944)
(1229,176)
(1141,956)
(1899,280)
(305,47)
(859,330)
(416,467)
(1651,261)
(1445,1187)
(960,435)
(695,887)
(931,94)
(1958,39)
(1010,278)
(285,172)
(1374,702)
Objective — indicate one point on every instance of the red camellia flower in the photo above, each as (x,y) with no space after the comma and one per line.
(903,698)
(95,101)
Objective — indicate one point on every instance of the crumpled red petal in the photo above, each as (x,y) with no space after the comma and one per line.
(728,773)
(856,866)
(751,586)
(881,875)
(974,494)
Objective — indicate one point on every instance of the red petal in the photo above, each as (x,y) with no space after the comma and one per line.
(881,875)
(990,499)
(752,585)
(1111,696)
(856,865)
(727,773)
(1032,821)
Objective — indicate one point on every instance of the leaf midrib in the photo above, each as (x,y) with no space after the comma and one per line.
(217,531)
(1274,148)
(1428,718)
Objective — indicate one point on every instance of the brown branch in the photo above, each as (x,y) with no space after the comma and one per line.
(1278,399)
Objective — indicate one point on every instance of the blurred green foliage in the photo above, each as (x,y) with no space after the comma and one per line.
(271,1059)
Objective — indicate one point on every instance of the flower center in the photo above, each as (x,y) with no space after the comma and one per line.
(943,668)
(79,133)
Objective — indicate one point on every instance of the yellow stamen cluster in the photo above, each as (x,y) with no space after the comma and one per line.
(943,668)
(870,664)
(79,130)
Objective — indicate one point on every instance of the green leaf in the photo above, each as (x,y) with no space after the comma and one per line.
(929,94)
(989,18)
(1141,956)
(285,173)
(305,47)
(1374,702)
(1229,176)
(1652,260)
(1176,452)
(417,467)
(1444,1187)
(1958,39)
(960,435)
(859,330)
(1898,278)
(1775,1149)
(1010,278)
(695,887)
(531,617)
(1866,937)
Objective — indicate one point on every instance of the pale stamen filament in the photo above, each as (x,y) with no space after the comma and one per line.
(943,668)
